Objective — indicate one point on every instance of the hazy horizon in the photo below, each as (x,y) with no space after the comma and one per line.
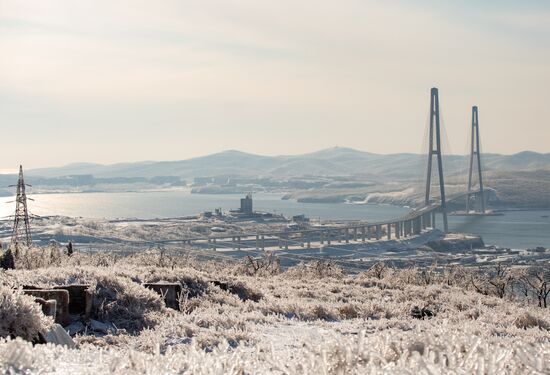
(126,81)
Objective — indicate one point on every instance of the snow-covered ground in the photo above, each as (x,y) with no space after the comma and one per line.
(311,319)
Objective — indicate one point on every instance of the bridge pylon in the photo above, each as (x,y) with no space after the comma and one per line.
(435,150)
(475,152)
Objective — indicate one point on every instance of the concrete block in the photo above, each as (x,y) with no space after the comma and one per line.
(169,291)
(101,327)
(58,336)
(62,301)
(80,299)
(48,307)
(75,328)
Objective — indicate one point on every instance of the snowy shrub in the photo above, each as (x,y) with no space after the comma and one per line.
(528,320)
(125,303)
(267,265)
(116,298)
(317,269)
(441,350)
(20,316)
(7,260)
(311,319)
(243,291)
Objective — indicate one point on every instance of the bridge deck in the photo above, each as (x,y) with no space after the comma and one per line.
(414,214)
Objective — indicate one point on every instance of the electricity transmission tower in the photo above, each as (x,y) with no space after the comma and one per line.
(435,149)
(475,152)
(21,227)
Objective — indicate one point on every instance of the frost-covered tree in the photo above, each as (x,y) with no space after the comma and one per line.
(538,279)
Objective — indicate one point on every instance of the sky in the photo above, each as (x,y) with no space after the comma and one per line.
(111,81)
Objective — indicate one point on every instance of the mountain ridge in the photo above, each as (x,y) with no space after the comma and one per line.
(331,161)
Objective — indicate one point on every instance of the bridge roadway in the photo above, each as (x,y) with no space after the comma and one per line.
(411,224)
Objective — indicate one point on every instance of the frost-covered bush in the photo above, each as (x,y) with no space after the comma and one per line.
(528,320)
(441,349)
(307,320)
(267,265)
(116,297)
(24,257)
(125,303)
(20,316)
(316,269)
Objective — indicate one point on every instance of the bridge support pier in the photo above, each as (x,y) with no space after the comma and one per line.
(378,232)
(328,237)
(212,243)
(389,231)
(397,230)
(417,226)
(363,230)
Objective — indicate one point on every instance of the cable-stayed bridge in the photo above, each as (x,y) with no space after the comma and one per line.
(417,220)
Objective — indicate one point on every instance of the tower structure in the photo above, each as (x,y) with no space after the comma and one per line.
(475,152)
(435,150)
(21,226)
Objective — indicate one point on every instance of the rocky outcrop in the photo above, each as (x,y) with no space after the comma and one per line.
(456,243)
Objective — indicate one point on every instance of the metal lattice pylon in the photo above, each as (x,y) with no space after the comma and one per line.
(21,226)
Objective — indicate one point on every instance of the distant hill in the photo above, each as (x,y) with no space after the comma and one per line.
(330,162)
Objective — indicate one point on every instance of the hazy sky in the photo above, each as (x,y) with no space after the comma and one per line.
(125,80)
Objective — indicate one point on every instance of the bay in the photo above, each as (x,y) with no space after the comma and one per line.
(515,229)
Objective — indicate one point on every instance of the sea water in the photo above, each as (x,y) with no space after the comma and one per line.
(515,229)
